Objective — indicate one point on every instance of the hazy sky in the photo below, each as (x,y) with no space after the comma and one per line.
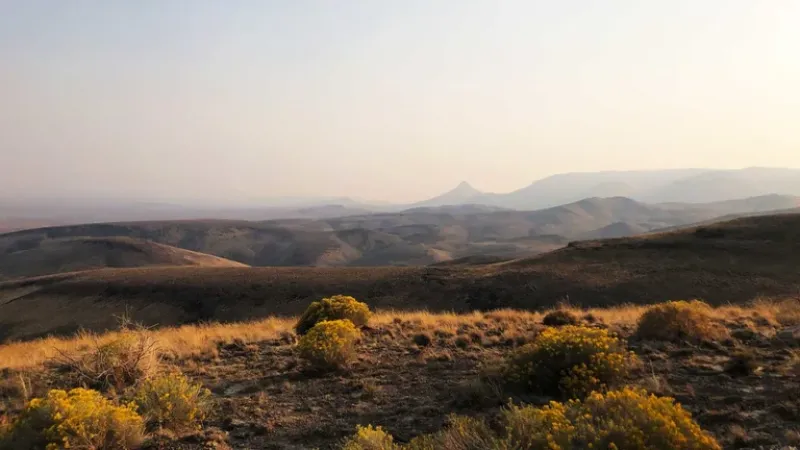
(380,99)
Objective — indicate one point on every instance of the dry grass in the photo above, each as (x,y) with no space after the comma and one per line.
(258,383)
(198,340)
(680,320)
(178,342)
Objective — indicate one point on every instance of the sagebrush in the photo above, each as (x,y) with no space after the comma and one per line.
(338,307)
(81,419)
(627,419)
(559,318)
(118,364)
(172,401)
(679,321)
(569,361)
(370,438)
(330,344)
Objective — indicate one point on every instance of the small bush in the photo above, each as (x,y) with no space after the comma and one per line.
(171,401)
(570,361)
(560,317)
(117,364)
(678,321)
(744,362)
(628,419)
(369,438)
(338,307)
(330,344)
(462,342)
(422,339)
(462,433)
(78,419)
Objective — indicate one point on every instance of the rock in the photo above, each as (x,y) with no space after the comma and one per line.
(232,423)
(790,335)
(240,388)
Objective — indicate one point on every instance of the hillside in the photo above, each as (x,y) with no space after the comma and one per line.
(414,237)
(413,369)
(7,225)
(731,262)
(76,254)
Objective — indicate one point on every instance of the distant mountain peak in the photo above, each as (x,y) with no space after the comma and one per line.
(460,194)
(465,187)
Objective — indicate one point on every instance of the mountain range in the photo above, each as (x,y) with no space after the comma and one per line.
(658,186)
(648,186)
(418,236)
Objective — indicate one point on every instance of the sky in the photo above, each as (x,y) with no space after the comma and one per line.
(385,100)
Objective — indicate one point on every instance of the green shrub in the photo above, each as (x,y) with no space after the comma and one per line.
(628,419)
(569,361)
(338,307)
(559,318)
(330,344)
(678,321)
(369,438)
(78,419)
(171,401)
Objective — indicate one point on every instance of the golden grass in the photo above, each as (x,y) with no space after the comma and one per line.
(179,342)
(195,340)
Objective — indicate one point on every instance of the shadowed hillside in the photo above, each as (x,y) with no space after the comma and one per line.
(415,237)
(75,254)
(729,262)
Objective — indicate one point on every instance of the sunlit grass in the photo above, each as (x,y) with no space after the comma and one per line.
(190,340)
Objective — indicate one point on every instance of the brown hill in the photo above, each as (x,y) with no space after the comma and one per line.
(731,262)
(76,254)
(7,225)
(415,237)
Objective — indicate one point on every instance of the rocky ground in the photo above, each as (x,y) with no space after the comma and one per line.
(745,390)
(411,374)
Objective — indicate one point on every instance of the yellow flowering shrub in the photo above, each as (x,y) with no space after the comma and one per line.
(369,438)
(330,344)
(628,419)
(679,321)
(79,419)
(462,433)
(338,307)
(570,361)
(172,401)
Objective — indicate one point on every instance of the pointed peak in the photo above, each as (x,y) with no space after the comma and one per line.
(465,186)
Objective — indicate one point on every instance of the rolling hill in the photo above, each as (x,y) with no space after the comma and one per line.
(9,224)
(419,236)
(75,254)
(729,262)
